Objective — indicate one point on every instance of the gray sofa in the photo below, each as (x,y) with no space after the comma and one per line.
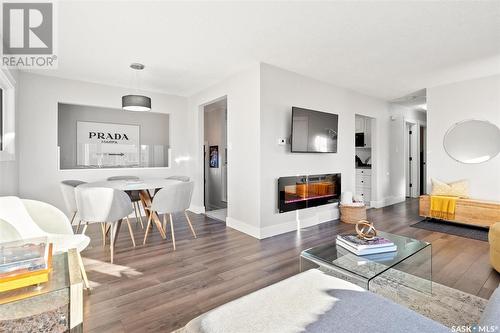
(313,301)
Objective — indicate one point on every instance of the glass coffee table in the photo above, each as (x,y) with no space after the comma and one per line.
(410,265)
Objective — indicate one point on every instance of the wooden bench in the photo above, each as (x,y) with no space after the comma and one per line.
(468,211)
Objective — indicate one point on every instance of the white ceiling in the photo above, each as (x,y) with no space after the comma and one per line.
(416,100)
(383,49)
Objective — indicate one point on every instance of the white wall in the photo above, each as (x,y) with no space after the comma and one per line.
(9,180)
(39,175)
(449,104)
(9,156)
(280,90)
(243,132)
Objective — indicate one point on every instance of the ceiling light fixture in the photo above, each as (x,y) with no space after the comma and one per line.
(136,102)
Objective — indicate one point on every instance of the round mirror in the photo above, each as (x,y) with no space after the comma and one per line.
(472,141)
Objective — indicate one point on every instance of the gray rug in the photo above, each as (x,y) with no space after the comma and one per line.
(453,229)
(451,307)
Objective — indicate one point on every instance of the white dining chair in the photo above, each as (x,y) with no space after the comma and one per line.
(25,219)
(68,193)
(172,199)
(106,206)
(179,178)
(134,196)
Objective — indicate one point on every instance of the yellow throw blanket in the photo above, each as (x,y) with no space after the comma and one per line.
(443,207)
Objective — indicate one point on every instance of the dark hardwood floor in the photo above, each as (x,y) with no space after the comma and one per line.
(153,288)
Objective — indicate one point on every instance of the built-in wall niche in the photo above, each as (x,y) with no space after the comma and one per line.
(92,137)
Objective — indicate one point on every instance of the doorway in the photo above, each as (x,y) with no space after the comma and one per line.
(423,160)
(415,159)
(411,166)
(215,159)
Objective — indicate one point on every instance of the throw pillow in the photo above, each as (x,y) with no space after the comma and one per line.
(458,188)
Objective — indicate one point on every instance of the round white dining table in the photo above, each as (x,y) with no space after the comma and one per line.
(133,185)
(141,185)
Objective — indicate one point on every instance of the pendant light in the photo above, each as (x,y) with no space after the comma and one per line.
(136,102)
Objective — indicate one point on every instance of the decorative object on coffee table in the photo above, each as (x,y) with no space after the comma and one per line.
(352,213)
(365,230)
(378,249)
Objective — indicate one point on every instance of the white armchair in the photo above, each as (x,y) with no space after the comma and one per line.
(24,219)
(47,217)
(8,233)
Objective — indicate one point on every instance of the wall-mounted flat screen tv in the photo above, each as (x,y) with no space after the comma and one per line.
(314,131)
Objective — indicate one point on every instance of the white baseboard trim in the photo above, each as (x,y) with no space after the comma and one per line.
(243,227)
(320,216)
(278,229)
(197,209)
(387,202)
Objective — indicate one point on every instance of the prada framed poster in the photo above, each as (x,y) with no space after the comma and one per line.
(107,144)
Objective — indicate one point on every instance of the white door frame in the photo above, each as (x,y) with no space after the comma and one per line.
(201,143)
(206,157)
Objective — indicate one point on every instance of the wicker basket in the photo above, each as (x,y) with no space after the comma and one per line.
(352,213)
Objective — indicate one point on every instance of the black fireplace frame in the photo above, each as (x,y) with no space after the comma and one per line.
(302,203)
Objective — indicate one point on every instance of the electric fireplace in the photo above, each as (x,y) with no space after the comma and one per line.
(308,191)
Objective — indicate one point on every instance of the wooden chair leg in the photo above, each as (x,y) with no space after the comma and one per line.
(157,222)
(138,216)
(82,270)
(130,231)
(189,222)
(72,218)
(103,230)
(164,222)
(148,226)
(111,247)
(135,212)
(172,230)
(139,204)
(85,228)
(115,229)
(78,226)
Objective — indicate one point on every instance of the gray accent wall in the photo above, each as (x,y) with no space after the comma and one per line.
(154,128)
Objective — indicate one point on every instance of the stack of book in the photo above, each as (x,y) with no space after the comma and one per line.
(24,263)
(361,247)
